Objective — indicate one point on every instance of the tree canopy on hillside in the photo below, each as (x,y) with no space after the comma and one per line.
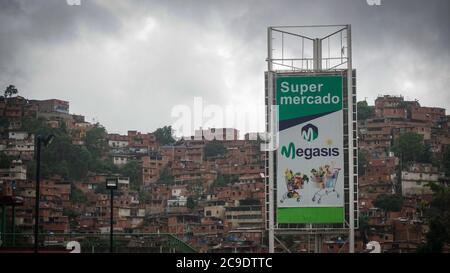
(438,216)
(364,110)
(164,135)
(409,148)
(214,148)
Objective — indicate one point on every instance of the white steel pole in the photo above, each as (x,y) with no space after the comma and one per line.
(351,181)
(271,152)
(317,55)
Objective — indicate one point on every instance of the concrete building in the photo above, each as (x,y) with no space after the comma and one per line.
(217,211)
(416,179)
(117,141)
(52,106)
(244,216)
(225,134)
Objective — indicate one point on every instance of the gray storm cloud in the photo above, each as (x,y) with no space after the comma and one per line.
(127,63)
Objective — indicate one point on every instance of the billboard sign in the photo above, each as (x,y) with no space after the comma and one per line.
(310,157)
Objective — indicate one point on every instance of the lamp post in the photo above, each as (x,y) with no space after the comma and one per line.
(39,141)
(111,184)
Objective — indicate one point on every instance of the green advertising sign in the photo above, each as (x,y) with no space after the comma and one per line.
(308,96)
(310,178)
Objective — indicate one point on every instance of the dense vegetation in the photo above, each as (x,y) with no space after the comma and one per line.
(214,148)
(438,215)
(62,157)
(224,180)
(364,111)
(164,135)
(446,162)
(409,148)
(71,161)
(389,202)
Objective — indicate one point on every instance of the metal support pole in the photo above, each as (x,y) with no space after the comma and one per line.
(271,153)
(3,226)
(317,54)
(13,226)
(316,244)
(318,240)
(351,181)
(111,231)
(37,195)
(269,49)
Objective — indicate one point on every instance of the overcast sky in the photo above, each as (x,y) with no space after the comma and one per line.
(127,63)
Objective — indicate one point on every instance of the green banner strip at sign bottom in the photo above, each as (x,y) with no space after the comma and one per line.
(323,215)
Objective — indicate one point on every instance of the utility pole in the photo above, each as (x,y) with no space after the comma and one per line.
(111,233)
(111,184)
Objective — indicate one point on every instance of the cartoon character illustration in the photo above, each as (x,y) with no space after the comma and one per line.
(325,179)
(294,183)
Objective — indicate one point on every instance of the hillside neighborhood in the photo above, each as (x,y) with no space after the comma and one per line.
(209,195)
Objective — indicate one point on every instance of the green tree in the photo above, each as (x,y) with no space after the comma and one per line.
(389,202)
(77,196)
(166,177)
(132,170)
(72,215)
(364,110)
(164,135)
(5,160)
(62,157)
(224,180)
(190,203)
(79,162)
(96,142)
(363,160)
(408,147)
(101,189)
(37,126)
(100,165)
(438,216)
(364,228)
(4,122)
(10,91)
(66,159)
(426,156)
(144,196)
(446,161)
(214,148)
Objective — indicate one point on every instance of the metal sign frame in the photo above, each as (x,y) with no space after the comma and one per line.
(317,61)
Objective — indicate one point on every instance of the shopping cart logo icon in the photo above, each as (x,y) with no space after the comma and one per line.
(310,132)
(325,180)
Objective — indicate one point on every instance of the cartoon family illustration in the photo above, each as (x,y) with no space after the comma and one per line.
(324,178)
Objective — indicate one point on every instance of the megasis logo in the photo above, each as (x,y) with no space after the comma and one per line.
(310,132)
(291,152)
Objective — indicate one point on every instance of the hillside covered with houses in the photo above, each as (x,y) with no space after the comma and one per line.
(210,194)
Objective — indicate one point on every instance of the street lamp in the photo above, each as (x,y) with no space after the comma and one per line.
(39,141)
(111,184)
